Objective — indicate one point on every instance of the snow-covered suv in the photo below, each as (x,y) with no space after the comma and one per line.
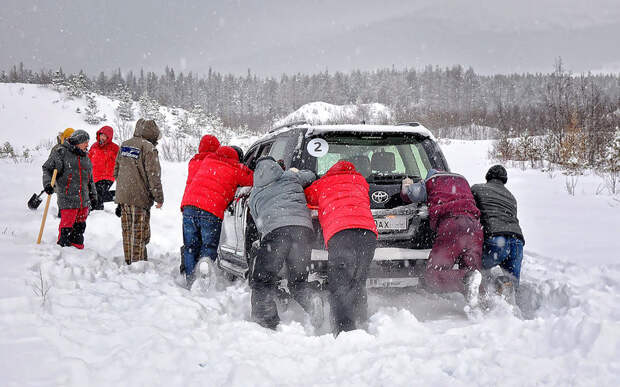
(385,155)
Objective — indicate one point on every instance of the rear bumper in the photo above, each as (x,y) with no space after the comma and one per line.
(383,254)
(391,267)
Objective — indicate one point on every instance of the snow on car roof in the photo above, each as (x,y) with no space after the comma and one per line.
(314,130)
(319,129)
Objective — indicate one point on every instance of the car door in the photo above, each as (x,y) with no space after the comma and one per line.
(229,236)
(242,200)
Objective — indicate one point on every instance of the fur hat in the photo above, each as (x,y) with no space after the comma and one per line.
(78,137)
(497,172)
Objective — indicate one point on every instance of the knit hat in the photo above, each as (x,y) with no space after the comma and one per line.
(497,172)
(78,137)
(65,134)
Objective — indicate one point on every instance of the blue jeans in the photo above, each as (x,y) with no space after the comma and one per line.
(201,236)
(507,252)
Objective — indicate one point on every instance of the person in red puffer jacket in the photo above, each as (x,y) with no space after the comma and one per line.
(350,236)
(206,197)
(208,145)
(454,218)
(102,155)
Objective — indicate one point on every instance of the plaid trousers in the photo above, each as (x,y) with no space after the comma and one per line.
(136,225)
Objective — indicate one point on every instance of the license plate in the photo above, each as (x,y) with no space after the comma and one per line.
(391,223)
(391,282)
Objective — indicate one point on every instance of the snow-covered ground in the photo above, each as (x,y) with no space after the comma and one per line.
(103,323)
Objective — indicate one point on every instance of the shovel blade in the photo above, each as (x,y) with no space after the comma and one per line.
(34,202)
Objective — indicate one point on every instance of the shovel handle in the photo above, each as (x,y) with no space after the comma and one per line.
(47,205)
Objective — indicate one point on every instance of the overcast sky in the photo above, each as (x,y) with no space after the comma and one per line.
(272,37)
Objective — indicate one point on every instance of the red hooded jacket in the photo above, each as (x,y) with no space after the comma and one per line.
(214,184)
(103,156)
(208,145)
(343,201)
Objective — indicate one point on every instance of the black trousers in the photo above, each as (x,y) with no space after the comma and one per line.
(290,245)
(350,253)
(103,193)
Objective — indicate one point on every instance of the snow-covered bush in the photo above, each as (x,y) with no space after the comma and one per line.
(180,141)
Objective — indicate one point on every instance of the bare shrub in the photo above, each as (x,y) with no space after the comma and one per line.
(41,287)
(571,184)
(612,178)
(124,129)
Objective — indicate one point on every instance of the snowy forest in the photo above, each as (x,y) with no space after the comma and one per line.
(564,118)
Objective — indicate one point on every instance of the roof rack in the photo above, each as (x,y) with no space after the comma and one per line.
(294,123)
(414,124)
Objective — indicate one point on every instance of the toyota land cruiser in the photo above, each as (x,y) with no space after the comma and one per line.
(385,155)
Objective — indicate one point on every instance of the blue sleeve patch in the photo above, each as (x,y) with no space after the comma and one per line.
(129,151)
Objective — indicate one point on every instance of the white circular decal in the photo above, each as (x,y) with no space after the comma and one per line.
(317,147)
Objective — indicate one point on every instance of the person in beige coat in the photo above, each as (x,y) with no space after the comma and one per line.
(138,187)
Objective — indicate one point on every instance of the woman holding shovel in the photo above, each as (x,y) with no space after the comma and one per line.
(74,187)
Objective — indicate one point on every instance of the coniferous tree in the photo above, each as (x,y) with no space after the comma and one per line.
(92,110)
(125,107)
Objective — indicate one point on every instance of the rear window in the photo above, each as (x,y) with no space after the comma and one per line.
(378,155)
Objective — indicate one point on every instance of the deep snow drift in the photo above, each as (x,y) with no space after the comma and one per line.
(103,323)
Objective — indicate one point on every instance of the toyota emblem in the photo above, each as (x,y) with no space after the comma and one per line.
(380,197)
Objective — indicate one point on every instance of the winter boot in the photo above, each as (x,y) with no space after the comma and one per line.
(97,206)
(182,266)
(64,237)
(206,272)
(311,301)
(472,281)
(264,309)
(315,310)
(504,286)
(76,238)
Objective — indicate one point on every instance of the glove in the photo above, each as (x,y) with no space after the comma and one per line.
(48,189)
(118,210)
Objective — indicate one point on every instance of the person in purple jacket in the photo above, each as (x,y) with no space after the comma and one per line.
(454,218)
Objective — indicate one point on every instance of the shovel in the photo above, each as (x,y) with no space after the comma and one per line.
(47,206)
(35,201)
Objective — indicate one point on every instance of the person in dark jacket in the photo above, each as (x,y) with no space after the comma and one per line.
(350,235)
(138,186)
(62,136)
(280,212)
(503,238)
(454,218)
(103,156)
(204,202)
(74,187)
